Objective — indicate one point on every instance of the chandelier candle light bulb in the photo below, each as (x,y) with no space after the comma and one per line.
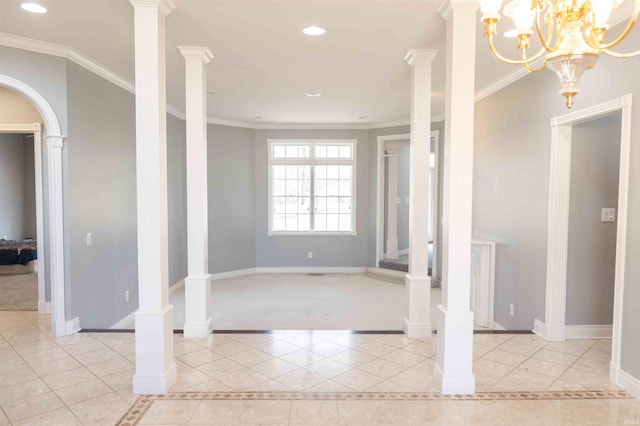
(575,34)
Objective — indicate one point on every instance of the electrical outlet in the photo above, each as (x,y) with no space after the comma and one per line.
(608,215)
(310,255)
(512,310)
(126,295)
(89,241)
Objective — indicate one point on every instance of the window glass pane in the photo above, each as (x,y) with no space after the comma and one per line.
(345,172)
(279,187)
(278,222)
(291,222)
(292,205)
(304,205)
(305,188)
(278,151)
(292,187)
(279,172)
(304,151)
(320,222)
(304,222)
(333,151)
(345,151)
(278,205)
(333,187)
(333,222)
(345,187)
(321,172)
(345,205)
(321,187)
(345,222)
(292,172)
(333,205)
(333,172)
(321,151)
(321,204)
(292,151)
(304,172)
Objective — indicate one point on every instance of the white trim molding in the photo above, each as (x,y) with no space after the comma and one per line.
(628,383)
(539,328)
(588,331)
(558,231)
(72,326)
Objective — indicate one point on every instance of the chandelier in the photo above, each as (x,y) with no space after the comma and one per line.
(575,35)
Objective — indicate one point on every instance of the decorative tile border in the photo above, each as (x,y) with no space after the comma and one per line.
(142,404)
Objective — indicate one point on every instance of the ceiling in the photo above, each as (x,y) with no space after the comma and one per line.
(264,66)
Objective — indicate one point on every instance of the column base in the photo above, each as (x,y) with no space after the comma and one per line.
(195,329)
(155,368)
(416,330)
(197,309)
(454,362)
(417,323)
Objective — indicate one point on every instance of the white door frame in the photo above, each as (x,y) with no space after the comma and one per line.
(381,197)
(558,229)
(55,252)
(36,130)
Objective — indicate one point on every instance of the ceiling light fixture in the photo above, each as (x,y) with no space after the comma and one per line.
(314,31)
(33,8)
(575,34)
(314,95)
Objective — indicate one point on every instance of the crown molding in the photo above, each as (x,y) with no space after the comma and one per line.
(507,80)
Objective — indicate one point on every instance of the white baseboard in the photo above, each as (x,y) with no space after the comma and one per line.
(44,307)
(124,322)
(588,331)
(311,270)
(539,328)
(497,326)
(629,383)
(232,274)
(72,326)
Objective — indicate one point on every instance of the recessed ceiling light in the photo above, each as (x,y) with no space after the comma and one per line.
(33,8)
(314,95)
(362,118)
(257,116)
(512,33)
(314,31)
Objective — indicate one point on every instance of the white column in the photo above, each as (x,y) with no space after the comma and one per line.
(417,323)
(198,321)
(56,238)
(455,320)
(392,204)
(155,368)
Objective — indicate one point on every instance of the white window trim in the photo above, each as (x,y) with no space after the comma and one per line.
(311,161)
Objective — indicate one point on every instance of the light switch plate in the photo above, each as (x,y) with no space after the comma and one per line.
(89,242)
(608,215)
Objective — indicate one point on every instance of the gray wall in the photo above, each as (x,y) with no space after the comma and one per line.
(595,165)
(232,237)
(403,193)
(29,193)
(511,183)
(291,250)
(102,199)
(177,198)
(11,186)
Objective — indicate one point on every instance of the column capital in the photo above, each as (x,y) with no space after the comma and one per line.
(418,54)
(447,7)
(166,6)
(194,52)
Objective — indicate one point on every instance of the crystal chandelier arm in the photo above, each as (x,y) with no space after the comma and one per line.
(621,55)
(544,41)
(524,59)
(627,30)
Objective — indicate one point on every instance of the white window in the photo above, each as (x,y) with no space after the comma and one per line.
(312,187)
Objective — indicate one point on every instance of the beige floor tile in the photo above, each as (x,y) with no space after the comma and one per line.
(68,378)
(163,412)
(389,412)
(182,346)
(218,412)
(505,358)
(480,350)
(300,379)
(274,367)
(378,349)
(210,385)
(126,348)
(519,348)
(251,357)
(404,358)
(397,340)
(220,367)
(12,364)
(597,354)
(585,380)
(351,340)
(242,380)
(573,347)
(127,395)
(358,379)
(83,391)
(270,386)
(22,390)
(603,345)
(530,339)
(55,367)
(328,368)
(105,409)
(3,419)
(266,412)
(592,365)
(188,379)
(390,386)
(119,379)
(382,368)
(353,357)
(60,417)
(327,348)
(110,366)
(329,386)
(303,339)
(46,356)
(84,347)
(529,380)
(254,340)
(302,357)
(96,356)
(33,406)
(555,357)
(278,348)
(231,348)
(492,340)
(314,412)
(417,381)
(74,338)
(211,340)
(543,367)
(17,375)
(490,368)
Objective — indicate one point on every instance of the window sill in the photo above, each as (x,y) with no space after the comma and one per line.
(317,233)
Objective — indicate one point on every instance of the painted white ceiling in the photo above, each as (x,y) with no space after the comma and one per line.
(263,64)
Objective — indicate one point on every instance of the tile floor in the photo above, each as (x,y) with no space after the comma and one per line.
(86,379)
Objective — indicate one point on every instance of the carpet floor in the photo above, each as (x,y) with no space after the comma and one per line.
(19,292)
